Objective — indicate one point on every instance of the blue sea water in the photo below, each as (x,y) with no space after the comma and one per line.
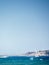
(22,60)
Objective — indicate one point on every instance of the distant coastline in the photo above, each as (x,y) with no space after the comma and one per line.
(35,54)
(38,53)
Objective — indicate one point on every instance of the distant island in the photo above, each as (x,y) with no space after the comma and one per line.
(35,54)
(38,53)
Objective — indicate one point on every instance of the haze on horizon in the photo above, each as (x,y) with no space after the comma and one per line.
(24,26)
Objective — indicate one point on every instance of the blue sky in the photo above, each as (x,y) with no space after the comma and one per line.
(24,26)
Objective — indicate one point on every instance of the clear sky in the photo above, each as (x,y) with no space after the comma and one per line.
(24,26)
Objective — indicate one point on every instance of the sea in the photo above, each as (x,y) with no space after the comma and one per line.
(24,60)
